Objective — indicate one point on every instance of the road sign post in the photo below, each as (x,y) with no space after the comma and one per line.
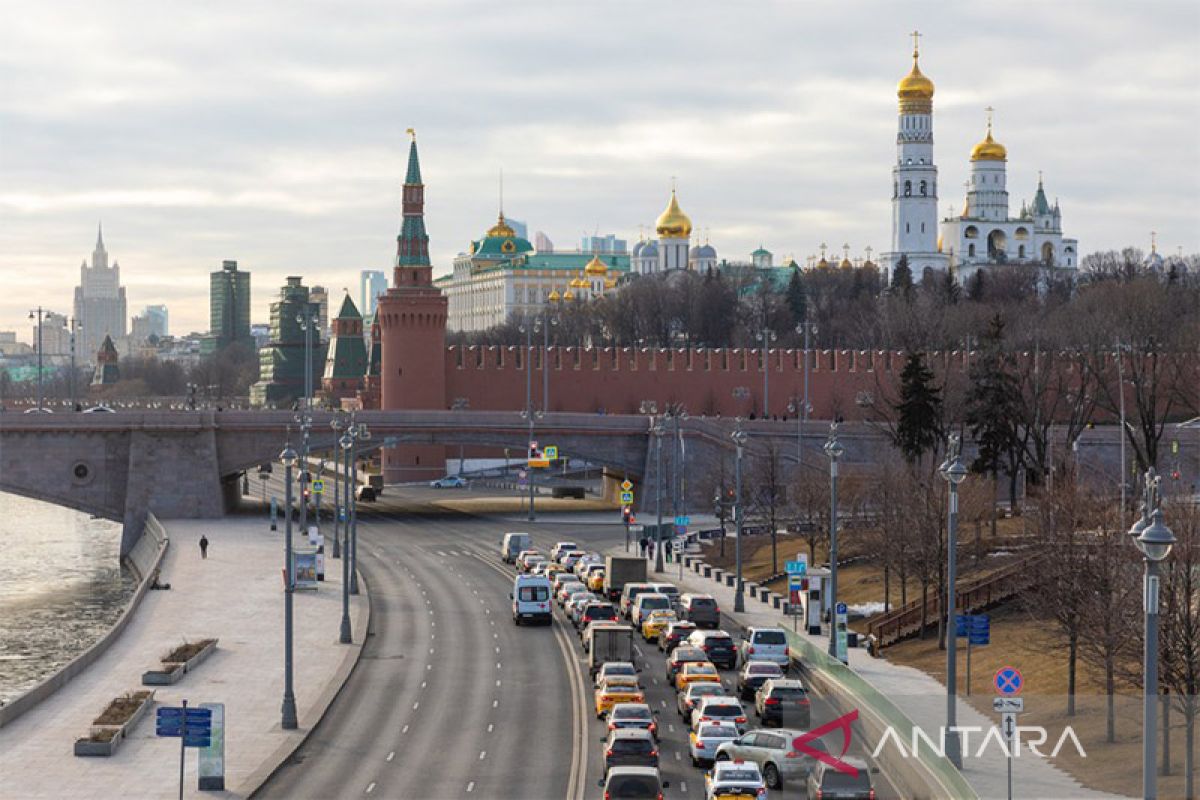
(193,727)
(839,631)
(1009,683)
(976,628)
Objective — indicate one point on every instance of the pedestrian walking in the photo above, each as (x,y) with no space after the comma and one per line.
(651,549)
(203,546)
(643,543)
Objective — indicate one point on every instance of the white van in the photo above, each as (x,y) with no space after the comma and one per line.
(531,599)
(512,544)
(645,603)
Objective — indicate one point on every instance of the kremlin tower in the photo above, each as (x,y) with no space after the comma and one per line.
(412,323)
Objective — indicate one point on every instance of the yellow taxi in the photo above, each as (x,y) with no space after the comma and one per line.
(696,672)
(656,623)
(617,689)
(551,569)
(595,581)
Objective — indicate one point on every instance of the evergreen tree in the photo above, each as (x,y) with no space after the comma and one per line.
(950,289)
(902,278)
(797,300)
(994,409)
(975,286)
(919,411)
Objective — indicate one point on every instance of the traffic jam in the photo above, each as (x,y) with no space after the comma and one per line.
(669,684)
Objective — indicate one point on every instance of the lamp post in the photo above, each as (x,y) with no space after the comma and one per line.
(766,336)
(74,374)
(346,442)
(289,722)
(953,472)
(657,430)
(1155,540)
(528,329)
(339,502)
(1121,347)
(304,420)
(739,440)
(806,328)
(833,449)
(358,433)
(679,482)
(37,314)
(307,324)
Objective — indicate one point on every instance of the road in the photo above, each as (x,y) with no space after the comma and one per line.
(450,699)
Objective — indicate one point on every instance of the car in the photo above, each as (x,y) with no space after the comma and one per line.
(630,747)
(567,588)
(576,601)
(449,482)
(36,410)
(671,591)
(783,700)
(523,558)
(633,783)
(826,781)
(734,779)
(570,559)
(704,741)
(539,568)
(595,580)
(513,544)
(686,700)
(753,675)
(682,655)
(633,715)
(722,709)
(609,669)
(100,409)
(701,609)
(531,599)
(629,593)
(367,494)
(552,569)
(765,644)
(647,602)
(585,632)
(560,548)
(772,752)
(717,645)
(586,562)
(592,612)
(674,634)
(617,689)
(694,672)
(655,623)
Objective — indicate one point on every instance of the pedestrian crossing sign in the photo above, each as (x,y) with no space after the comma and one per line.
(318,486)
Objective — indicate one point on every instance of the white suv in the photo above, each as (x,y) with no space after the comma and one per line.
(765,644)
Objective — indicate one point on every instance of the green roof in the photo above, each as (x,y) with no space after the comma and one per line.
(501,246)
(349,310)
(761,252)
(414,165)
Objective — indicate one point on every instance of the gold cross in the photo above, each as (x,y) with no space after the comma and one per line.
(989,111)
(916,35)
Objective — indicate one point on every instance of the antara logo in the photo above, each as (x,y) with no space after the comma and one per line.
(842,723)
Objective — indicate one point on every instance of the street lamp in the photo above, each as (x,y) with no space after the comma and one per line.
(289,722)
(805,409)
(346,440)
(304,420)
(1122,347)
(766,336)
(657,430)
(37,314)
(953,472)
(739,440)
(833,449)
(339,502)
(359,433)
(529,414)
(307,324)
(1155,540)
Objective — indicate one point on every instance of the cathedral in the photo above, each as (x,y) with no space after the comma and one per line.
(984,234)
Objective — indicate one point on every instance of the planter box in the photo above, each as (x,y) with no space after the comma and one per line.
(752,588)
(163,677)
(84,747)
(730,580)
(197,659)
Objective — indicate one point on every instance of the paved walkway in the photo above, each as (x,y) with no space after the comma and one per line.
(919,696)
(235,595)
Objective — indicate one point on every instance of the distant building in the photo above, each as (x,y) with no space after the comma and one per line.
(10,347)
(151,322)
(99,301)
(371,284)
(56,335)
(261,334)
(320,296)
(107,371)
(228,307)
(606,244)
(519,228)
(346,362)
(542,243)
(281,363)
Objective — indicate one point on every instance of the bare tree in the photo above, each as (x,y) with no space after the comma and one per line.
(768,498)
(1180,628)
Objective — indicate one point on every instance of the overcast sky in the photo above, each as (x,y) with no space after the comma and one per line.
(273,133)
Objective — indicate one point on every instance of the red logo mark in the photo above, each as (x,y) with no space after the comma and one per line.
(842,723)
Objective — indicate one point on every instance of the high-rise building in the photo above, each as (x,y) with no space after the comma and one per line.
(56,335)
(542,243)
(320,296)
(371,284)
(281,363)
(604,245)
(228,307)
(151,322)
(99,302)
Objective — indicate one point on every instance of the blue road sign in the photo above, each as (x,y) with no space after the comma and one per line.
(841,608)
(979,639)
(197,740)
(974,626)
(169,721)
(1008,681)
(682,520)
(795,567)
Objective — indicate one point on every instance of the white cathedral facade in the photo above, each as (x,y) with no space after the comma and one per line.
(984,234)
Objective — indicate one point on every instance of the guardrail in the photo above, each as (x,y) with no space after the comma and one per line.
(975,595)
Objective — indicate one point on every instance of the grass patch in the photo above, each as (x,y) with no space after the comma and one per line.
(186,651)
(121,709)
(100,735)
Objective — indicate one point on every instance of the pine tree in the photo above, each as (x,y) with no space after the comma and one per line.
(975,286)
(902,278)
(919,424)
(994,409)
(797,299)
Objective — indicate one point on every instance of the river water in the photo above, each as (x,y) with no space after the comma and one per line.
(61,587)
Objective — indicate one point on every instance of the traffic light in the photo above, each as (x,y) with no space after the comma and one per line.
(632,518)
(625,515)
(533,451)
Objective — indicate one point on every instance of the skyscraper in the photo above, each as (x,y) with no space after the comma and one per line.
(320,296)
(281,369)
(99,301)
(228,308)
(151,322)
(371,284)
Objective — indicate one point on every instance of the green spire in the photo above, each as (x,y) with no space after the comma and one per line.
(414,165)
(1040,204)
(349,310)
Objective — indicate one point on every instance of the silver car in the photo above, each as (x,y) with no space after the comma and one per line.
(770,750)
(703,743)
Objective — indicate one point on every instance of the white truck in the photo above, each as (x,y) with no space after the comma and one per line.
(620,570)
(608,643)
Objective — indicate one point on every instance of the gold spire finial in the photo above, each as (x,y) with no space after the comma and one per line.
(1153,241)
(916,50)
(990,111)
(412,134)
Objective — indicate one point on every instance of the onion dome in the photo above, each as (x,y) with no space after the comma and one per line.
(705,251)
(579,283)
(502,229)
(637,248)
(822,264)
(595,266)
(650,250)
(989,149)
(915,91)
(554,296)
(610,283)
(568,295)
(673,223)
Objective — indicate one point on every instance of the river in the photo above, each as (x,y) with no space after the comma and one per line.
(61,587)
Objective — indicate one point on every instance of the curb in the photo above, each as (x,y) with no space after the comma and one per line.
(329,693)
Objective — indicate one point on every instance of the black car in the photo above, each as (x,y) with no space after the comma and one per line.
(754,675)
(701,609)
(717,645)
(596,611)
(630,747)
(783,702)
(674,635)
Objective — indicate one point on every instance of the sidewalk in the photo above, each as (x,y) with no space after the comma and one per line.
(919,696)
(236,596)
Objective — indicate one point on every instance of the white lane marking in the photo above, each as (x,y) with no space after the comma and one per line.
(416,705)
(495,636)
(495,703)
(429,666)
(440,553)
(497,665)
(638,650)
(497,649)
(683,786)
(404,729)
(431,651)
(497,683)
(482,755)
(664,703)
(391,755)
(487,611)
(433,636)
(370,787)
(431,623)
(677,756)
(670,727)
(654,681)
(490,726)
(423,683)
(490,622)
(471,786)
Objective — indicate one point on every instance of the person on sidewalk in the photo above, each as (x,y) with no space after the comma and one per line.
(643,542)
(203,546)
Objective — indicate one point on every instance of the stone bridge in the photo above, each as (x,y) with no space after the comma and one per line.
(187,463)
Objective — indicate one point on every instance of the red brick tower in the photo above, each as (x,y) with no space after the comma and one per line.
(412,322)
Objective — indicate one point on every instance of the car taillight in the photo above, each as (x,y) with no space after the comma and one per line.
(762,792)
(607,753)
(654,727)
(792,754)
(871,795)
(802,701)
(771,701)
(819,794)
(654,753)
(612,726)
(786,650)
(608,796)
(705,648)
(740,719)
(751,649)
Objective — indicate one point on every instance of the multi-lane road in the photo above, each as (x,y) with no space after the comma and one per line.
(450,699)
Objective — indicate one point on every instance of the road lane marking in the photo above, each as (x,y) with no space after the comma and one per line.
(638,650)
(497,649)
(495,703)
(404,729)
(482,755)
(683,786)
(429,666)
(664,703)
(670,727)
(497,683)
(471,786)
(391,755)
(677,756)
(490,726)
(497,665)
(423,683)
(431,651)
(416,705)
(370,787)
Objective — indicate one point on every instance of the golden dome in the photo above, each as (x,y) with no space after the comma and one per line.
(989,149)
(673,223)
(939,243)
(595,267)
(846,264)
(914,85)
(554,296)
(822,264)
(568,295)
(501,229)
(610,283)
(579,283)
